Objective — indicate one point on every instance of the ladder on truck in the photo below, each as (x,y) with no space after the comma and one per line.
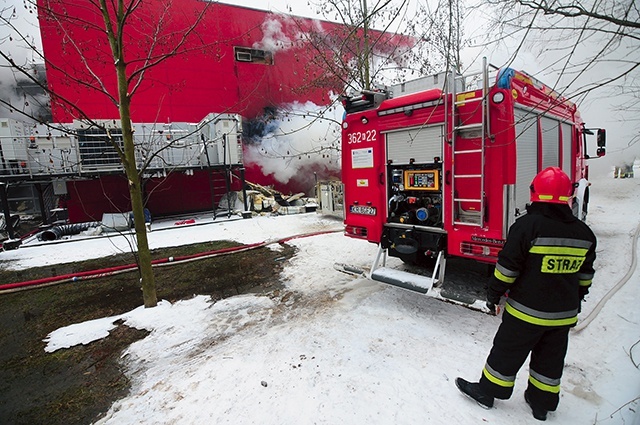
(468,155)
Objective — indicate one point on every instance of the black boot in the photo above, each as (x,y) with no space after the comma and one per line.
(538,413)
(473,391)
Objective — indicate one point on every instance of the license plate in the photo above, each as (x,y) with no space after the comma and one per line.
(362,209)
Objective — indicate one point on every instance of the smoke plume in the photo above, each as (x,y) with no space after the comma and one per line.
(295,145)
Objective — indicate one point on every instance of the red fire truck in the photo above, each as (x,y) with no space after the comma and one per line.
(443,172)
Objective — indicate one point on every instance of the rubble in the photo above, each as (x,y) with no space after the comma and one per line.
(265,200)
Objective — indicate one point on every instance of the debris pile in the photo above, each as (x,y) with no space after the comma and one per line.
(266,200)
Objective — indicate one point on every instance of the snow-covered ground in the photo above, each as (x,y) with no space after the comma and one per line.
(334,349)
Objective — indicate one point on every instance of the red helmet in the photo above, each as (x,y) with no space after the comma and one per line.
(551,185)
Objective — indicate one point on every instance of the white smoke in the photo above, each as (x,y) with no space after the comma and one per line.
(26,100)
(303,139)
(8,86)
(274,38)
(276,28)
(20,42)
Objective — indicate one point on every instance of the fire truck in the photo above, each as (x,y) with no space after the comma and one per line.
(437,169)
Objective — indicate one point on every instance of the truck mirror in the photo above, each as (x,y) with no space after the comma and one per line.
(600,152)
(602,139)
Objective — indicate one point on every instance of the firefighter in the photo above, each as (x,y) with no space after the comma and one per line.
(545,270)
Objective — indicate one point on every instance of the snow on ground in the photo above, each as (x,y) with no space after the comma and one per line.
(341,350)
(166,234)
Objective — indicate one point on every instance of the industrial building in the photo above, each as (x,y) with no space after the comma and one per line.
(218,68)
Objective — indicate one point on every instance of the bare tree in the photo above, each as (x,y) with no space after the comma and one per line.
(578,39)
(119,24)
(362,45)
(381,42)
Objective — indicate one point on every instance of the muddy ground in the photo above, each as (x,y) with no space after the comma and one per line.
(78,385)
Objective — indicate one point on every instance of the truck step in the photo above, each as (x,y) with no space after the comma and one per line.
(402,279)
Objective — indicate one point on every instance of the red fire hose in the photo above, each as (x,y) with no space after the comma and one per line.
(109,271)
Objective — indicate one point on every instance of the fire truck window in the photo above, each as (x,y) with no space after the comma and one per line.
(246,54)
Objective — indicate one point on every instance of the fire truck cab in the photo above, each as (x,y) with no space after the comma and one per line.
(444,171)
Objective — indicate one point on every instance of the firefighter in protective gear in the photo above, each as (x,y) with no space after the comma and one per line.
(545,269)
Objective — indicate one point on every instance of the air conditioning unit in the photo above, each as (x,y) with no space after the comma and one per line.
(243,56)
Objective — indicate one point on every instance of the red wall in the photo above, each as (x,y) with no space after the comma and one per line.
(89,199)
(204,77)
(177,193)
(181,193)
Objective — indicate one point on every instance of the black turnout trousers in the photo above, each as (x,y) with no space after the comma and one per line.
(512,344)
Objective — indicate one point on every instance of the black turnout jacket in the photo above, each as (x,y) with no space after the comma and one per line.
(545,267)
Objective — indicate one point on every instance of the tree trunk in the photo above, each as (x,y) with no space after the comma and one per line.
(144,254)
(366,56)
(135,191)
(127,154)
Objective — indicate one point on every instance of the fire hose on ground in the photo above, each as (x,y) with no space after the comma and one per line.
(91,274)
(110,271)
(634,260)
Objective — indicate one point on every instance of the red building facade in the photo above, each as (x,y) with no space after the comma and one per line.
(185,59)
(211,57)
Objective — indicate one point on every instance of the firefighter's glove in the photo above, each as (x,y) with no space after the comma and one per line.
(493,308)
(494,296)
(583,291)
(493,302)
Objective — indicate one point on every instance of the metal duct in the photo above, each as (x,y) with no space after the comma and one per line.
(57,232)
